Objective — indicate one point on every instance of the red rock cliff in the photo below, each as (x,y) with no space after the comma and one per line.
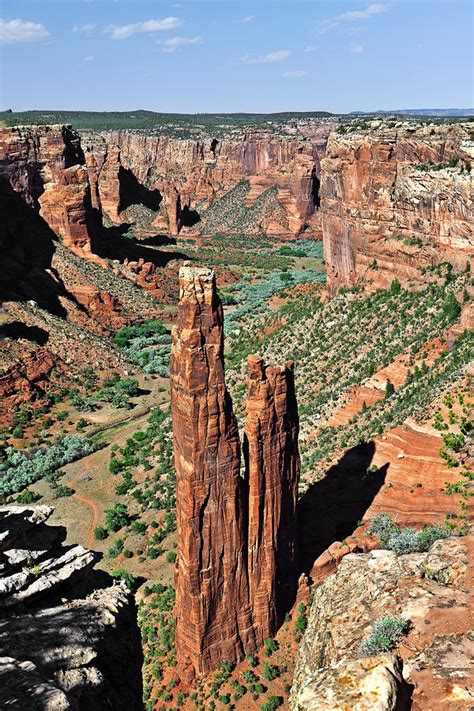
(213,613)
(385,212)
(45,165)
(236,537)
(272,463)
(192,174)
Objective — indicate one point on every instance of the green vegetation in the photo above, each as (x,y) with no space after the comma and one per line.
(19,469)
(386,634)
(146,345)
(342,343)
(28,497)
(141,119)
(272,703)
(407,540)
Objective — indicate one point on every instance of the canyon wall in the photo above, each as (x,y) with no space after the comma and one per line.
(180,178)
(394,200)
(45,165)
(236,536)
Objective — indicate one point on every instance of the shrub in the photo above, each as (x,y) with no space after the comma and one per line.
(117,518)
(100,533)
(60,491)
(385,636)
(406,540)
(272,703)
(171,557)
(128,578)
(270,646)
(270,671)
(28,497)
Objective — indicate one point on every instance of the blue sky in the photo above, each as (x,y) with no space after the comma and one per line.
(234,55)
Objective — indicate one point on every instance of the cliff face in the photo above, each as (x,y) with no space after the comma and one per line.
(428,589)
(69,633)
(236,537)
(386,213)
(272,462)
(179,177)
(45,165)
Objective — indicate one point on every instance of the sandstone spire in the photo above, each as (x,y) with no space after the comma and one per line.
(236,574)
(272,465)
(213,620)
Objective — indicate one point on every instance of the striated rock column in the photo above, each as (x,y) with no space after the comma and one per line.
(213,615)
(272,466)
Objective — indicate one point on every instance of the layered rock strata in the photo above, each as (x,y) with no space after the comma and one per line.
(394,200)
(212,601)
(179,178)
(272,464)
(236,536)
(45,165)
(69,634)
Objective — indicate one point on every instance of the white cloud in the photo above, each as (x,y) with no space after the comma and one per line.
(83,28)
(16,31)
(357,48)
(294,75)
(311,48)
(278,56)
(89,58)
(172,44)
(248,18)
(371,10)
(120,32)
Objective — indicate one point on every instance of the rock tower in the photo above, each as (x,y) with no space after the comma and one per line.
(236,534)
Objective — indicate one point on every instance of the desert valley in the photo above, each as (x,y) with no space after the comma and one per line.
(235,381)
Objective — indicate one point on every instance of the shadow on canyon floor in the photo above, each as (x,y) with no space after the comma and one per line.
(17,330)
(111,243)
(332,507)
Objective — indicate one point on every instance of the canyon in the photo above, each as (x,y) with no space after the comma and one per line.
(108,231)
(236,537)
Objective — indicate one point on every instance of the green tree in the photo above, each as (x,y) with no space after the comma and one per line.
(117,518)
(389,389)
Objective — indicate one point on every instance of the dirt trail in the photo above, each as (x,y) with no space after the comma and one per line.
(87,502)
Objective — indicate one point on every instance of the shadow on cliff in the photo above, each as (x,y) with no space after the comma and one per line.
(332,507)
(111,243)
(27,245)
(132,192)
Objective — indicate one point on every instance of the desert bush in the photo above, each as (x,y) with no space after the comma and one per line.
(386,634)
(406,540)
(19,469)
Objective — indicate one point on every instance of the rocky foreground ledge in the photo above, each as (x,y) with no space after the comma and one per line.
(68,633)
(432,666)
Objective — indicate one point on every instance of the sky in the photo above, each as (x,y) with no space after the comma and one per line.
(235,55)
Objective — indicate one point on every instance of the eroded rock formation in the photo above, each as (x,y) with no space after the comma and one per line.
(272,463)
(428,589)
(214,620)
(394,200)
(179,178)
(45,165)
(69,634)
(236,537)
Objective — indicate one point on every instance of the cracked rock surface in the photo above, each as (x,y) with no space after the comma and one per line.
(68,633)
